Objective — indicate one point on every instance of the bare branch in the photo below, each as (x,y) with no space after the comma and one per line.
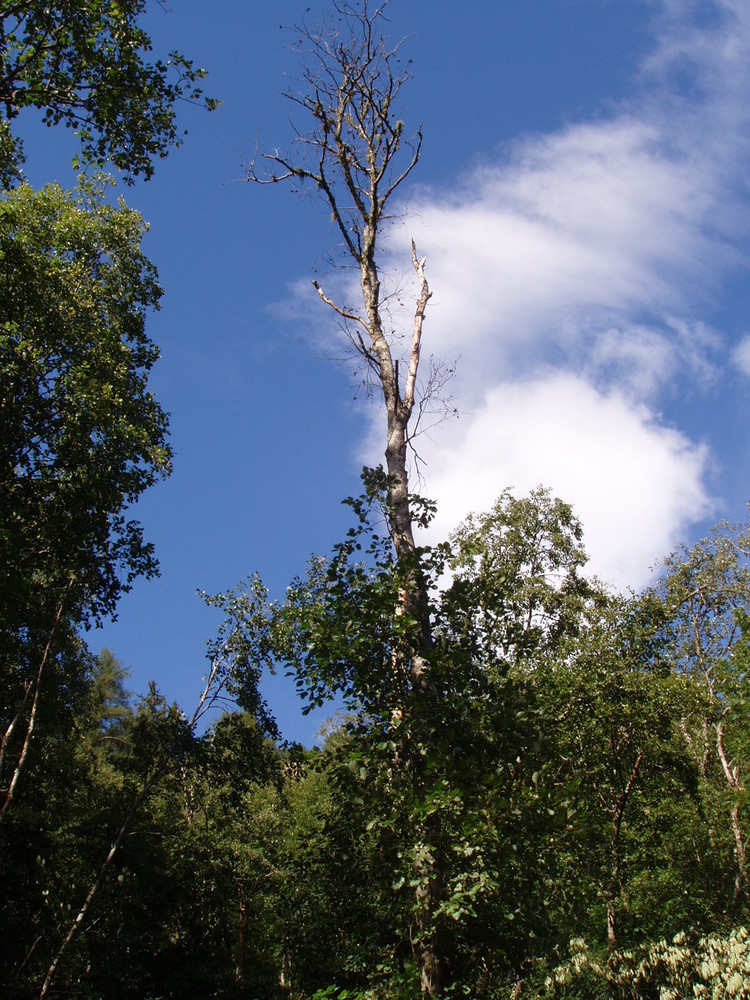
(338,309)
(416,340)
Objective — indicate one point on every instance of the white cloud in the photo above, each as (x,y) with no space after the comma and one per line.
(648,361)
(594,220)
(634,484)
(597,226)
(741,355)
(639,359)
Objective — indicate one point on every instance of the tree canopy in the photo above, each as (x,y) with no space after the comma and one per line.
(88,66)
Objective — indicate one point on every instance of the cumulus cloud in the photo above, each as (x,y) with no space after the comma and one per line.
(593,220)
(633,482)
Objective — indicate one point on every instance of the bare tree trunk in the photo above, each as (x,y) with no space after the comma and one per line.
(729,769)
(731,774)
(356,156)
(399,406)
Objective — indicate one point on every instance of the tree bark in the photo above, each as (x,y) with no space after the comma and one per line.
(356,156)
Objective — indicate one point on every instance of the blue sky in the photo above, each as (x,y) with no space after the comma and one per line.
(582,202)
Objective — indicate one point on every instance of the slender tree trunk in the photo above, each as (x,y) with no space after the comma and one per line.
(31,724)
(730,770)
(98,881)
(399,404)
(731,774)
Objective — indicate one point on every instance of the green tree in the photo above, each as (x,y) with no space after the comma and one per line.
(705,591)
(476,754)
(619,870)
(516,602)
(517,590)
(88,65)
(37,852)
(82,439)
(153,750)
(82,435)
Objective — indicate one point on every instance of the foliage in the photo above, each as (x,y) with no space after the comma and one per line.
(242,649)
(705,593)
(469,752)
(522,756)
(517,591)
(83,437)
(715,966)
(552,748)
(88,66)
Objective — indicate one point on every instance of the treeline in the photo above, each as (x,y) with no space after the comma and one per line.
(586,755)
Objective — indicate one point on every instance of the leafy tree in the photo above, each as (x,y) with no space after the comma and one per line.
(522,718)
(88,66)
(38,852)
(516,604)
(628,785)
(473,759)
(146,745)
(83,437)
(96,750)
(158,742)
(648,730)
(705,591)
(517,592)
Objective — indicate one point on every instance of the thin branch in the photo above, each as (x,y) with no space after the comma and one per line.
(344,313)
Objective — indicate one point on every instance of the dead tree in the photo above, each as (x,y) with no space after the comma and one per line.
(356,155)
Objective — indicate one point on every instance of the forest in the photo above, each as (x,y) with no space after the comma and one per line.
(533,785)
